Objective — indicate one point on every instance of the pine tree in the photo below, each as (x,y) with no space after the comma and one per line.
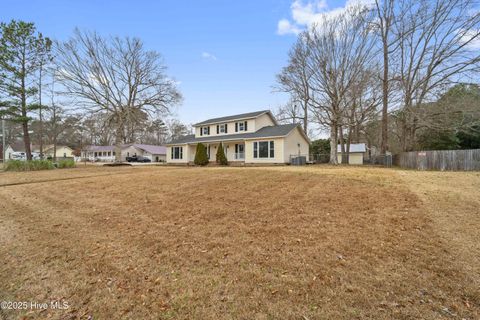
(201,157)
(221,158)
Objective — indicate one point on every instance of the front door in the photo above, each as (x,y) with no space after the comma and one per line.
(239,151)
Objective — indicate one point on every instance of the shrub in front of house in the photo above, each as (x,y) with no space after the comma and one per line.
(33,165)
(201,156)
(221,157)
(66,163)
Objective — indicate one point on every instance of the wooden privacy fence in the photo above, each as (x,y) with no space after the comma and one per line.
(459,160)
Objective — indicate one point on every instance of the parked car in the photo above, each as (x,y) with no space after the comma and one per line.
(138,159)
(143,159)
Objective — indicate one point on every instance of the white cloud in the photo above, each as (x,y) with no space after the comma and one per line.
(306,13)
(285,27)
(208,56)
(474,39)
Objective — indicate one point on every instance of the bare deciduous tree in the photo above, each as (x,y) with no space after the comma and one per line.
(289,113)
(116,76)
(340,50)
(385,19)
(295,78)
(434,50)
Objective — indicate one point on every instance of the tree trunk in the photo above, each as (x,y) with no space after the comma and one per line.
(40,111)
(333,143)
(26,135)
(305,118)
(26,139)
(342,145)
(384,142)
(118,142)
(55,149)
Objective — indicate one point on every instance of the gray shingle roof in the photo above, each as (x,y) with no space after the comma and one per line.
(229,118)
(265,132)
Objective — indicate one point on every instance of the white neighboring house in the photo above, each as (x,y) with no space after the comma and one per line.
(16,151)
(152,152)
(8,152)
(98,153)
(107,153)
(253,137)
(356,155)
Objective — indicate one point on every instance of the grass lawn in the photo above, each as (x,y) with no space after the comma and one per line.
(241,243)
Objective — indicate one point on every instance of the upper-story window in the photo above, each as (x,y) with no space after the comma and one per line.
(241,126)
(222,128)
(204,131)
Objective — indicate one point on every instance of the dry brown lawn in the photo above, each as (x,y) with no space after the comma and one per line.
(241,243)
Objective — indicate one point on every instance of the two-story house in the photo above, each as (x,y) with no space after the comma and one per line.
(253,137)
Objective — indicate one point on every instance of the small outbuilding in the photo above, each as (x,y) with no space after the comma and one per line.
(356,155)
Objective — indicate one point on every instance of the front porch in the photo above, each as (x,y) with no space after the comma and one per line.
(234,151)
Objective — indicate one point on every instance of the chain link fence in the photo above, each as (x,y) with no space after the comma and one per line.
(301,159)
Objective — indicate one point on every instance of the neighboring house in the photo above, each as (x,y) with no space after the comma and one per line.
(107,153)
(356,155)
(8,152)
(253,137)
(100,153)
(17,151)
(152,152)
(61,151)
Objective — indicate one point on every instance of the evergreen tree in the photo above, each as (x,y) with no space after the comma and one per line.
(201,156)
(22,52)
(221,157)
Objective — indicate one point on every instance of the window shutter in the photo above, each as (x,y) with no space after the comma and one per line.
(208,130)
(272,150)
(218,129)
(201,131)
(226,126)
(171,155)
(246,126)
(236,147)
(236,126)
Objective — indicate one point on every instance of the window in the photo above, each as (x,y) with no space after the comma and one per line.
(222,128)
(177,153)
(263,149)
(205,131)
(64,155)
(241,126)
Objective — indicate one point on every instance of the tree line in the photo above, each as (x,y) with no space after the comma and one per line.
(397,74)
(86,90)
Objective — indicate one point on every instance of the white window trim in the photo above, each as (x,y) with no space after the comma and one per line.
(221,128)
(180,153)
(205,131)
(258,149)
(241,126)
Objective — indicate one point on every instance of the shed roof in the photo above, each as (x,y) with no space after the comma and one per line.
(354,147)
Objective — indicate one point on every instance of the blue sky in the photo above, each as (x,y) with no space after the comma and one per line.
(225,54)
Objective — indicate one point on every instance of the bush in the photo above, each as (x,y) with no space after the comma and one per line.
(66,163)
(33,165)
(221,157)
(201,156)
